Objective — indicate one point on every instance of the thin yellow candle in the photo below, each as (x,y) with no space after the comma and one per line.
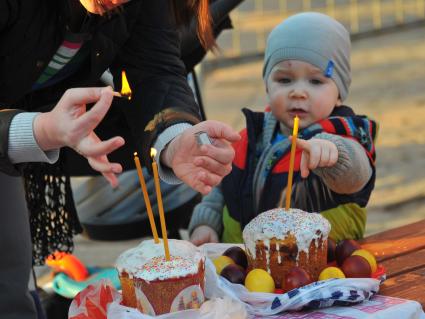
(160,206)
(291,162)
(146,197)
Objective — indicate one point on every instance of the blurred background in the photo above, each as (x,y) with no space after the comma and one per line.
(388,84)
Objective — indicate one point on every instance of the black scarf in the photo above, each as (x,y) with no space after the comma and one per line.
(53,217)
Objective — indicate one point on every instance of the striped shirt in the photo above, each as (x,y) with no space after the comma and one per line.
(64,62)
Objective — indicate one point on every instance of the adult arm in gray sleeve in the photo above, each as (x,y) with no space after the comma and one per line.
(209,211)
(23,146)
(352,170)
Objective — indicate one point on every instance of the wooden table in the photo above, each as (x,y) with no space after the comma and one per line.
(402,252)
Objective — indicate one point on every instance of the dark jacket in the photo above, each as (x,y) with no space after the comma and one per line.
(6,117)
(142,40)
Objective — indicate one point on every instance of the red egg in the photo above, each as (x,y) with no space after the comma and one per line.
(238,255)
(344,249)
(295,278)
(234,273)
(356,267)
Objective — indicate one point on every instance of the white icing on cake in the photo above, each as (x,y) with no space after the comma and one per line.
(279,258)
(147,261)
(279,223)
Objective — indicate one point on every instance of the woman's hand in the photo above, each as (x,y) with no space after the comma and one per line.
(202,166)
(69,124)
(316,153)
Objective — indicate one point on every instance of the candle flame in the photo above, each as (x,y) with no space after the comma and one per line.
(125,87)
(153,152)
(135,153)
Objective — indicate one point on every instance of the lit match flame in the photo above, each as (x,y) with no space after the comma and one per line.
(153,152)
(125,87)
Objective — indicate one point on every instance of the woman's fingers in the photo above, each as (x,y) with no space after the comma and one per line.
(111,178)
(88,121)
(219,130)
(100,148)
(102,165)
(203,181)
(213,166)
(209,179)
(78,96)
(108,170)
(221,152)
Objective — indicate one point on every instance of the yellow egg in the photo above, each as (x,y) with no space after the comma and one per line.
(259,280)
(368,256)
(331,272)
(221,262)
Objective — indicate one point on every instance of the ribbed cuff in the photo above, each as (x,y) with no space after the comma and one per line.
(205,216)
(166,173)
(22,144)
(340,177)
(343,163)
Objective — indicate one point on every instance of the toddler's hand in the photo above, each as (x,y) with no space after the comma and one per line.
(316,153)
(203,234)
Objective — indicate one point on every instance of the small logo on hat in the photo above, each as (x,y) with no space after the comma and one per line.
(329,69)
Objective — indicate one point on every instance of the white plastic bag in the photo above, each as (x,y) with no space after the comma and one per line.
(102,301)
(218,308)
(320,294)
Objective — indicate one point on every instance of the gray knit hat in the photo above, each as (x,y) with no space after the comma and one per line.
(314,38)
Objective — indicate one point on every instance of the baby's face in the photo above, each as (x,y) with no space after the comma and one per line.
(299,88)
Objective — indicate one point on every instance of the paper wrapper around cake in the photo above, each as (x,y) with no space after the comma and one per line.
(162,293)
(278,240)
(168,292)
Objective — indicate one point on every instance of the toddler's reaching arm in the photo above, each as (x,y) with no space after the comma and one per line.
(341,162)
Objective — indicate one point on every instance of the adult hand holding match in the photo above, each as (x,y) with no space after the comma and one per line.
(69,124)
(202,166)
(316,153)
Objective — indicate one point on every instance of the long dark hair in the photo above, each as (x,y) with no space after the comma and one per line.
(186,9)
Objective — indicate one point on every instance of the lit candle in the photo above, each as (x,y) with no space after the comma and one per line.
(146,197)
(160,206)
(125,87)
(291,162)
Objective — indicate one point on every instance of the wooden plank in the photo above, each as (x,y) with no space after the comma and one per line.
(407,231)
(404,263)
(396,242)
(391,248)
(407,286)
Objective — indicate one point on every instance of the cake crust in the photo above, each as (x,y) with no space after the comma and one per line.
(278,240)
(280,256)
